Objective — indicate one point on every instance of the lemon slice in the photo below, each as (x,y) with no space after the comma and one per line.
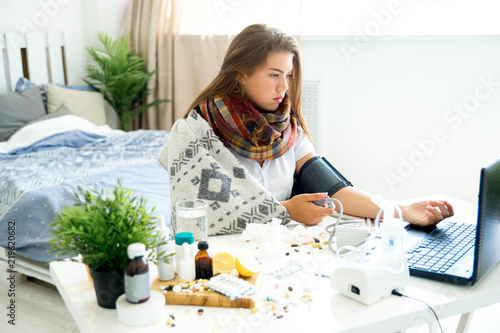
(223,262)
(247,265)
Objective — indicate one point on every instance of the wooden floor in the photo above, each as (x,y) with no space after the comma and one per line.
(40,309)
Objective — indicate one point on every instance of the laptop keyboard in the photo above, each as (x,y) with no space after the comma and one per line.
(440,249)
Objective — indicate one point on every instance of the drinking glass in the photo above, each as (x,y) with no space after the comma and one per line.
(191,216)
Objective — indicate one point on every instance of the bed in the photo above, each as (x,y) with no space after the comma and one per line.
(54,138)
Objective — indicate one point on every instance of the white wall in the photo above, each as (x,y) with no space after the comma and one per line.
(385,95)
(79,19)
(391,117)
(399,17)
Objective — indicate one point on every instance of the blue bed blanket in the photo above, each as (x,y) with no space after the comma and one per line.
(38,180)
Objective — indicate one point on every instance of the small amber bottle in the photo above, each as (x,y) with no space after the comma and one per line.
(136,274)
(203,262)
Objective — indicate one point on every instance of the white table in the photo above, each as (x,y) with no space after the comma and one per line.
(329,309)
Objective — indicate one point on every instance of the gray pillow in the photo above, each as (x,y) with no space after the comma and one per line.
(17,109)
(23,84)
(62,111)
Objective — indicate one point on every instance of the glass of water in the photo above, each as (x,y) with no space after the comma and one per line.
(191,216)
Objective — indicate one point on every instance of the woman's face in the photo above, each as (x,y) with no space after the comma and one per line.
(266,87)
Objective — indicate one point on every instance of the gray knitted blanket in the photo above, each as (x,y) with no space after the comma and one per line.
(201,167)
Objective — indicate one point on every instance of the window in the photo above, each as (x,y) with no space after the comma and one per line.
(342,17)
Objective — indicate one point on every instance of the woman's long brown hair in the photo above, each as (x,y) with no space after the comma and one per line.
(248,51)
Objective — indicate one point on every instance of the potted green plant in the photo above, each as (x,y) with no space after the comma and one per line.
(99,228)
(120,75)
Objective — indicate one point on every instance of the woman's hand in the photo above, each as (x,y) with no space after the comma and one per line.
(302,209)
(425,213)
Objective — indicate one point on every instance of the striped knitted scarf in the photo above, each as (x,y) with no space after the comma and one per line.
(251,133)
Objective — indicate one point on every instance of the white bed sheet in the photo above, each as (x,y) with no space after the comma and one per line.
(39,130)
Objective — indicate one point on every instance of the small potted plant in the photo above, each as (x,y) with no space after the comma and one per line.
(99,228)
(120,75)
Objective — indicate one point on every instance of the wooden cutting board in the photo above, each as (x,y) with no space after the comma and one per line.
(209,298)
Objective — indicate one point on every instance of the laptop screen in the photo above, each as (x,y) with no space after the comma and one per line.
(487,251)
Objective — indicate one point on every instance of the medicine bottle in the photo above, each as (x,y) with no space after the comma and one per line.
(136,274)
(181,238)
(203,261)
(166,271)
(186,270)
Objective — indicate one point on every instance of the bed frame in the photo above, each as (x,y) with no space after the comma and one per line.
(40,58)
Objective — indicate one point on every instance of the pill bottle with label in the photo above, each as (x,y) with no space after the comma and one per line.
(136,269)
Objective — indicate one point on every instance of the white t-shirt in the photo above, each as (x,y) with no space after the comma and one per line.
(276,175)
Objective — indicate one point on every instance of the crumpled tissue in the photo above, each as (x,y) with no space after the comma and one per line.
(275,237)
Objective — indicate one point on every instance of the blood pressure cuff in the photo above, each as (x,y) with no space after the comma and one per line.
(318,175)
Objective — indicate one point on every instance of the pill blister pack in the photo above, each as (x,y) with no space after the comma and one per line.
(285,269)
(230,286)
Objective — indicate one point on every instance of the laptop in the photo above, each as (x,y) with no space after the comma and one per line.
(470,250)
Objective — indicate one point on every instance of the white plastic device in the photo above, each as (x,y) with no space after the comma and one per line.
(374,276)
(392,227)
(350,235)
(370,282)
(345,235)
(148,313)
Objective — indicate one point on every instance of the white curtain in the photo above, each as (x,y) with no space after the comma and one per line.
(151,25)
(228,17)
(186,42)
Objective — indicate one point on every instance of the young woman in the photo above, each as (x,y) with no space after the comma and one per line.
(254,107)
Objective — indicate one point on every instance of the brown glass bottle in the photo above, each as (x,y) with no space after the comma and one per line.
(203,262)
(136,274)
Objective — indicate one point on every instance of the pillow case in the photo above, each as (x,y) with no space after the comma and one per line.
(62,111)
(85,104)
(19,108)
(23,84)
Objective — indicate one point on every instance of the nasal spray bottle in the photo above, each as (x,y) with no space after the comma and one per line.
(165,271)
(377,273)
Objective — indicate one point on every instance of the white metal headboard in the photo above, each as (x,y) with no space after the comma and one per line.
(45,54)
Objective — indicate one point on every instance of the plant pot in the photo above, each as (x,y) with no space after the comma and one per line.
(108,286)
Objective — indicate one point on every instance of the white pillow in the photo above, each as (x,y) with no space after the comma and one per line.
(86,104)
(30,134)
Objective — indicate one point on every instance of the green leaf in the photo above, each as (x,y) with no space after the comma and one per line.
(102,224)
(120,75)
